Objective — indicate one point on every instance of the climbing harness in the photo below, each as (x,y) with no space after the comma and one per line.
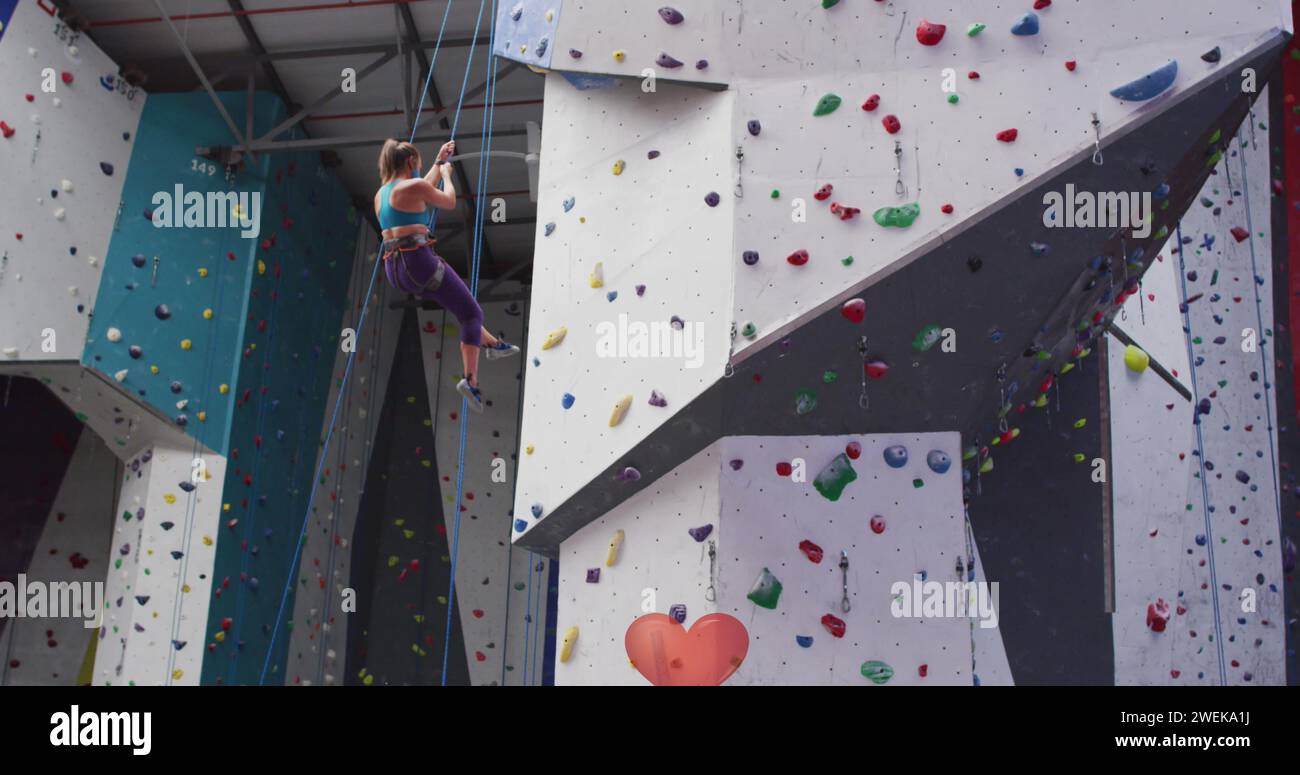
(864,402)
(1097,158)
(845,605)
(711,593)
(396,250)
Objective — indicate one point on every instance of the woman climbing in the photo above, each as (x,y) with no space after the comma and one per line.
(409,261)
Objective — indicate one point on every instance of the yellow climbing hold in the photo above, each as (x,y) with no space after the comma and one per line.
(1136,359)
(566,646)
(620,55)
(153,369)
(1079,457)
(597,278)
(220,637)
(620,410)
(528,449)
(619,166)
(224,389)
(554,338)
(225,507)
(169,498)
(203,416)
(207,314)
(203,272)
(186,344)
(178,674)
(261,266)
(987,465)
(615,544)
(1040,402)
(207,540)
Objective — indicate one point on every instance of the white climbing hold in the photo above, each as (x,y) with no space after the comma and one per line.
(72,290)
(11,352)
(598,276)
(113,335)
(59,213)
(120,376)
(93,261)
(182,404)
(66,185)
(58,103)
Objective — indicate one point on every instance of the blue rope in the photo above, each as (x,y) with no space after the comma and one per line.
(484,165)
(347,373)
(1200,454)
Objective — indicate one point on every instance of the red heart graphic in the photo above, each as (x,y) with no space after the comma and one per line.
(669,655)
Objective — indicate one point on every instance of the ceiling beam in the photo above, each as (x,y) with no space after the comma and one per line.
(255,43)
(334,143)
(324,99)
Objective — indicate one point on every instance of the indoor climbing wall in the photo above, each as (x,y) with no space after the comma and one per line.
(831,148)
(811,535)
(1198,555)
(67,128)
(73,549)
(501,591)
(629,300)
(318,641)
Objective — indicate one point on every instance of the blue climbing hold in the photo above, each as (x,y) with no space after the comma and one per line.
(938,461)
(520,526)
(896,456)
(1149,86)
(537,510)
(1026,25)
(567,401)
(804,641)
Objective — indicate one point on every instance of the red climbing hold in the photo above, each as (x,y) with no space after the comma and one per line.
(946,209)
(876,369)
(1158,615)
(824,193)
(973,75)
(928,34)
(854,310)
(1240,234)
(6,130)
(1008,135)
(798,258)
(811,550)
(877,524)
(923,670)
(891,124)
(783,469)
(1071,65)
(30,97)
(872,103)
(1041,4)
(845,212)
(854,450)
(67,77)
(834,625)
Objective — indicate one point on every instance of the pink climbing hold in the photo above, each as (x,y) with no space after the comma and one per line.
(854,310)
(872,103)
(891,124)
(929,34)
(824,193)
(798,258)
(811,550)
(1158,615)
(1008,135)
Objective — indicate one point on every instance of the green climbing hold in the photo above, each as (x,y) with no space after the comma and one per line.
(953,99)
(829,376)
(776,193)
(918,483)
(898,217)
(847,261)
(830,3)
(827,105)
(975,29)
(749,330)
(928,338)
(877,672)
(805,401)
(766,590)
(835,477)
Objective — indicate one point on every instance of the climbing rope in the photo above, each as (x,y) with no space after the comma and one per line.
(1200,456)
(1259,317)
(347,372)
(475,262)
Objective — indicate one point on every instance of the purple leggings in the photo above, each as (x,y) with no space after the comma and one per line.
(412,271)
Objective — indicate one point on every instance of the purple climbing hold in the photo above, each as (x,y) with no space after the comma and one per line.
(135,351)
(677,612)
(657,399)
(712,199)
(176,387)
(652,155)
(640,290)
(162,312)
(1243,477)
(750,257)
(629,474)
(593,575)
(138,260)
(736,465)
(1288,555)
(575,53)
(703,64)
(671,15)
(701,534)
(755,128)
(677,323)
(667,61)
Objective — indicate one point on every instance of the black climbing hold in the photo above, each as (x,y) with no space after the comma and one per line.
(1213,55)
(106,168)
(162,312)
(755,128)
(138,260)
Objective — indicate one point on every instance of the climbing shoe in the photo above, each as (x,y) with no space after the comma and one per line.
(472,393)
(499,350)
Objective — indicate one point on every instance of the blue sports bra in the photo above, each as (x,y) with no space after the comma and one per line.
(391,218)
